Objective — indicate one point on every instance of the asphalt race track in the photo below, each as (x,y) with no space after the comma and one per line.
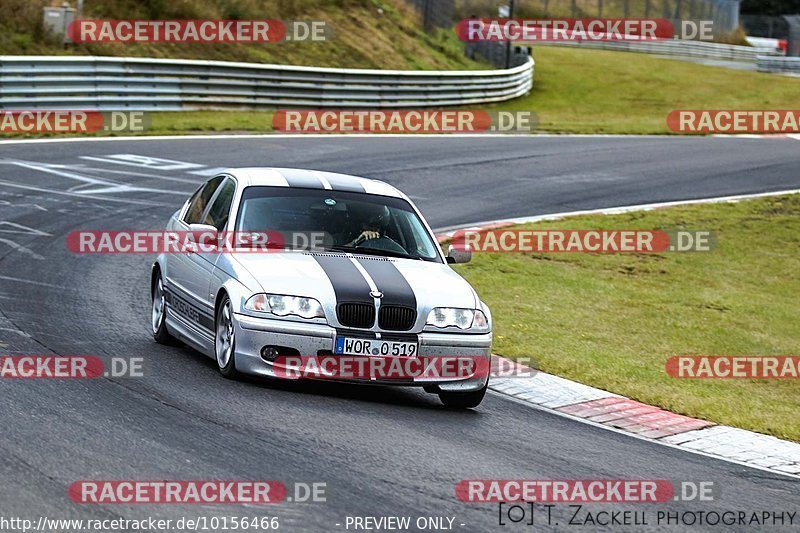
(381,451)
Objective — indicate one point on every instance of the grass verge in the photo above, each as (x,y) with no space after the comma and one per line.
(575,91)
(602,91)
(612,321)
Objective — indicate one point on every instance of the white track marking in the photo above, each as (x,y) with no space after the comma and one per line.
(677,443)
(614,210)
(18,247)
(134,173)
(24,230)
(84,196)
(106,186)
(634,435)
(268,136)
(30,282)
(17,331)
(59,170)
(517,220)
(37,206)
(144,161)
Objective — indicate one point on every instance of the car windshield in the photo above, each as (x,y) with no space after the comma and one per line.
(349,221)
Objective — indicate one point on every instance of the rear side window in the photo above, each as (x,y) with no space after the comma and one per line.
(217,215)
(199,202)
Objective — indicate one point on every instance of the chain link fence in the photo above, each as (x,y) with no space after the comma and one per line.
(784,28)
(727,25)
(723,13)
(436,13)
(765,26)
(445,13)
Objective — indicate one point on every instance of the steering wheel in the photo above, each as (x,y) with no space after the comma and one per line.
(383,243)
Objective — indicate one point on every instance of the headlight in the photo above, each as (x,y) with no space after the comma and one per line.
(285,305)
(442,317)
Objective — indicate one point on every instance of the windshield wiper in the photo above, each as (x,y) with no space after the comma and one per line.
(369,251)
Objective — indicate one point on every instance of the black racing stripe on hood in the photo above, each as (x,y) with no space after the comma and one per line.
(394,286)
(302,179)
(348,283)
(341,184)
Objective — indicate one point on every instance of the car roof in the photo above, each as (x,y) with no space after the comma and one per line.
(311,179)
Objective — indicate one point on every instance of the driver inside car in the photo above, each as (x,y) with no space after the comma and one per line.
(374,227)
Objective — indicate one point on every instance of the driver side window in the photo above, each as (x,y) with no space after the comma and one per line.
(199,202)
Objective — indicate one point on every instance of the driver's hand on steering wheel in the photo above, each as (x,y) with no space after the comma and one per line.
(366,235)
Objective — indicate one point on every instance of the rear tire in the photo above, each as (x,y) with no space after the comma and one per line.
(225,340)
(158,316)
(463,400)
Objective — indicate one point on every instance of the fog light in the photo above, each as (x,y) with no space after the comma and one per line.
(269,353)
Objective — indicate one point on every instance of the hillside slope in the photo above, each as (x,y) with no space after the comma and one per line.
(366,33)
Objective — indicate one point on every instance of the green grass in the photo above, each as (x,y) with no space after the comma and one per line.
(601,91)
(198,122)
(579,91)
(182,123)
(612,321)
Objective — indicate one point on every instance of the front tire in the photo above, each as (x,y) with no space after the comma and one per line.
(463,400)
(225,340)
(158,317)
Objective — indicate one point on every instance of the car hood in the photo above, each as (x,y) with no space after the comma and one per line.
(334,278)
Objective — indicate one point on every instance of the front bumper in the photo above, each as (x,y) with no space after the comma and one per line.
(311,339)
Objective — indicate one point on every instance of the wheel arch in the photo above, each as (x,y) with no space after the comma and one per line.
(234,289)
(221,293)
(155,271)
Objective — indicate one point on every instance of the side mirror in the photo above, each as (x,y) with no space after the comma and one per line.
(457,256)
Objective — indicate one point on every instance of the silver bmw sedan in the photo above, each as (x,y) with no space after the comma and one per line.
(326,267)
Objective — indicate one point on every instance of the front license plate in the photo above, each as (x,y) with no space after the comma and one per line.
(374,347)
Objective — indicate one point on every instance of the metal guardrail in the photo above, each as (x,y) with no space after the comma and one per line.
(145,84)
(778,64)
(676,47)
